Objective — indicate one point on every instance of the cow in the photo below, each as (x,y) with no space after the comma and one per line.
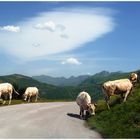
(121,86)
(30,93)
(6,89)
(84,102)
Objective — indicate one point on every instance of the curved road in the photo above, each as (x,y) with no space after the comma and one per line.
(43,120)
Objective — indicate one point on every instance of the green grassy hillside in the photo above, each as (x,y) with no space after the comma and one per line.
(122,121)
(103,76)
(50,92)
(92,85)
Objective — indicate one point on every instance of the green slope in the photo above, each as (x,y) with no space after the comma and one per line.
(103,76)
(92,85)
(50,92)
(122,121)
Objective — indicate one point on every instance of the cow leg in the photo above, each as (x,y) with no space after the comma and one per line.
(106,97)
(29,98)
(10,98)
(4,102)
(0,97)
(107,101)
(4,99)
(126,94)
(122,98)
(81,112)
(108,105)
(36,98)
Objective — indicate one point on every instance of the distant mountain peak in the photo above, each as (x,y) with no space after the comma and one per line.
(102,73)
(61,81)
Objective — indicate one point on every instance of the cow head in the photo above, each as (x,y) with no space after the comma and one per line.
(25,97)
(91,108)
(133,78)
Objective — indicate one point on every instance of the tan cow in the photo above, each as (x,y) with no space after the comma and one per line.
(30,93)
(6,90)
(121,86)
(84,102)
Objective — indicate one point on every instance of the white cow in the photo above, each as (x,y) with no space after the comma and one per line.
(6,90)
(121,86)
(31,92)
(84,102)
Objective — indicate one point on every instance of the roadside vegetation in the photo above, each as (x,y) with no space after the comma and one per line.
(19,101)
(122,121)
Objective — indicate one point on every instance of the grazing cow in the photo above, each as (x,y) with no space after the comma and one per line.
(122,86)
(6,90)
(84,102)
(31,92)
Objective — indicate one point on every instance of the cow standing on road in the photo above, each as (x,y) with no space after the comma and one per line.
(6,91)
(30,93)
(84,102)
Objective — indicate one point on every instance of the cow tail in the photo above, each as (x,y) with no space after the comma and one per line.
(15,91)
(104,92)
(103,89)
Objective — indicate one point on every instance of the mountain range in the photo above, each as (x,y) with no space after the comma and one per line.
(61,81)
(91,84)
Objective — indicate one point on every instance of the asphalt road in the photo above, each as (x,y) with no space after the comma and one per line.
(43,120)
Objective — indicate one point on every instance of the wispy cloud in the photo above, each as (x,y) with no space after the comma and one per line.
(72,61)
(65,36)
(61,27)
(50,25)
(57,31)
(10,28)
(36,44)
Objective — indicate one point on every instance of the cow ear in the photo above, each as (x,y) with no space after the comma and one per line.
(89,104)
(95,104)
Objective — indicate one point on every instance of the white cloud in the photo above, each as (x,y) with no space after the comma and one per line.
(10,28)
(50,25)
(61,27)
(65,36)
(72,61)
(36,44)
(78,27)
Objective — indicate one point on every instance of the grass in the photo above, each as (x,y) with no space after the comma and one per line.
(122,121)
(41,100)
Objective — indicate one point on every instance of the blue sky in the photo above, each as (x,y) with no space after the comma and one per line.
(69,38)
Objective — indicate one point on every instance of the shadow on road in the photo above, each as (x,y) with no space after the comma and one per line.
(74,115)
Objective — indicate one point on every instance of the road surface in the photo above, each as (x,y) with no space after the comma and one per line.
(43,120)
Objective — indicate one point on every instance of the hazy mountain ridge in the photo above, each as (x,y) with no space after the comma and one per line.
(61,81)
(103,76)
(92,85)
